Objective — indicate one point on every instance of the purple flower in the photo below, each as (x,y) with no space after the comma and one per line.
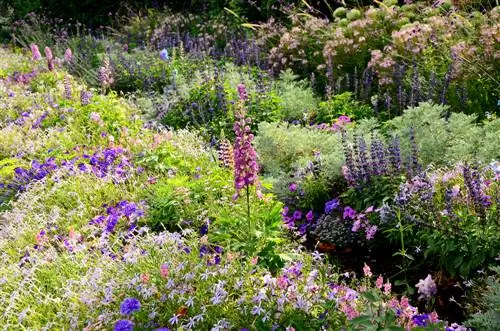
(130,305)
(124,325)
(297,215)
(309,216)
(349,213)
(246,167)
(370,233)
(292,187)
(242,92)
(162,329)
(420,320)
(204,229)
(331,205)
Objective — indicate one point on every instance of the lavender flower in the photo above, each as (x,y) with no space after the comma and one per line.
(67,88)
(85,97)
(426,288)
(164,54)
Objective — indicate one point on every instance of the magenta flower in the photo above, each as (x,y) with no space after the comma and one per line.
(349,213)
(309,216)
(292,187)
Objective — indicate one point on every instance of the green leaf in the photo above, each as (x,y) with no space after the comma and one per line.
(372,297)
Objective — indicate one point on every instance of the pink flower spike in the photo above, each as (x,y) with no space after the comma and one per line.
(367,271)
(380,281)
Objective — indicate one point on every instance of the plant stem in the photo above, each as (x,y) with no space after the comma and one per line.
(248,209)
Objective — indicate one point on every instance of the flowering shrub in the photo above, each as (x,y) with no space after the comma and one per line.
(453,212)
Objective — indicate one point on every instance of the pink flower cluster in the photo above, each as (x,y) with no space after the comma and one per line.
(246,167)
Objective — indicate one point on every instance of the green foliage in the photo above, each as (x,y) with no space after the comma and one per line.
(340,104)
(297,99)
(283,148)
(446,141)
(459,236)
(487,316)
(263,237)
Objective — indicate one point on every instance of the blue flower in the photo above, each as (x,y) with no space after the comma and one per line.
(164,54)
(331,205)
(130,305)
(124,325)
(420,320)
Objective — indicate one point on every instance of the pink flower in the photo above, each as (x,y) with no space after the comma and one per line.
(404,303)
(164,271)
(282,282)
(48,54)
(68,55)
(242,92)
(380,281)
(356,226)
(246,167)
(35,52)
(387,288)
(367,271)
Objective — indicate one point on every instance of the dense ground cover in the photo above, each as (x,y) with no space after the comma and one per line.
(310,172)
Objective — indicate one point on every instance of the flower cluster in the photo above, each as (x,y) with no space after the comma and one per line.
(361,166)
(226,154)
(123,210)
(246,167)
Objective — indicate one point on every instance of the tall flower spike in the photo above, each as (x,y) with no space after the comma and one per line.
(85,97)
(67,88)
(35,52)
(50,58)
(226,154)
(68,55)
(246,167)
